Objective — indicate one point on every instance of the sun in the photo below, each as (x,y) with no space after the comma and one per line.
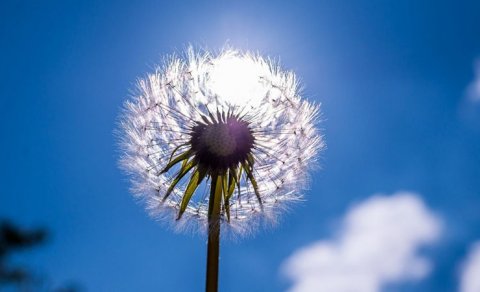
(237,79)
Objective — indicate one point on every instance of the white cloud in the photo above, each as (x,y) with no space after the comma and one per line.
(473,90)
(377,244)
(470,281)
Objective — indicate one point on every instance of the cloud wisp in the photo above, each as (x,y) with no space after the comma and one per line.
(377,244)
(473,90)
(470,278)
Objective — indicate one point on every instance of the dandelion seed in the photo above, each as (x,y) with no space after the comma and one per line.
(219,141)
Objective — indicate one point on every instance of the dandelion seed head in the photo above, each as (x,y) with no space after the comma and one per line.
(235,117)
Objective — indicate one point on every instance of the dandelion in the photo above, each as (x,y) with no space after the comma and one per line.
(219,142)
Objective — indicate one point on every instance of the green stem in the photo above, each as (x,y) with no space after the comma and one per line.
(213,249)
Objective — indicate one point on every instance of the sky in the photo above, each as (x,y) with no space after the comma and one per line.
(394,206)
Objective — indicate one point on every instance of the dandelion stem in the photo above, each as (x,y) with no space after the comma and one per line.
(213,249)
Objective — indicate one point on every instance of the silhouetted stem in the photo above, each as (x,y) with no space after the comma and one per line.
(213,249)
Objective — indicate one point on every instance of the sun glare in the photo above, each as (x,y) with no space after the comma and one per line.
(237,79)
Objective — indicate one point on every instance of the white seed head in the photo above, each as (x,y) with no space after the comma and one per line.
(225,113)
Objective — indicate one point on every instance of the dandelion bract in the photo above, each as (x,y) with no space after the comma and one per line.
(233,122)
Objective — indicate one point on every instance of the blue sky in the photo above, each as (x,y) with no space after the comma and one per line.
(392,78)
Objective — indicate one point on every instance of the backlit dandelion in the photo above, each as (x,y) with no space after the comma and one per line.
(219,142)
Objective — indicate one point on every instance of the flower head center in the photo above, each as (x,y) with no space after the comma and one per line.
(219,145)
(219,139)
